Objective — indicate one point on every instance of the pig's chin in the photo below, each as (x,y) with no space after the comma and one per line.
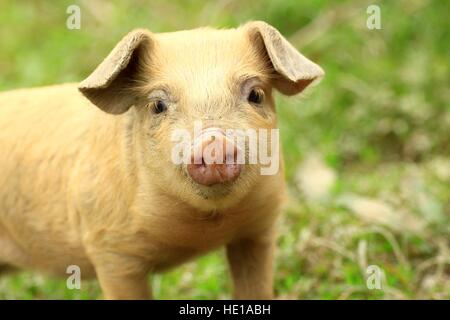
(214,191)
(219,195)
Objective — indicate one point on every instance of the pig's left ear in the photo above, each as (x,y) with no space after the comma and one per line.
(294,71)
(109,85)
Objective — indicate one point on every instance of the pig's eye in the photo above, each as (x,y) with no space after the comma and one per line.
(159,106)
(256,96)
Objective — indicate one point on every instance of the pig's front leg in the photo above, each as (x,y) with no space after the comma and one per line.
(251,264)
(122,279)
(129,287)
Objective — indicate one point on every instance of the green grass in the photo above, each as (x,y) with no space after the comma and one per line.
(379,121)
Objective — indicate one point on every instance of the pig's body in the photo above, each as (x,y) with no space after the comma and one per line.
(70,184)
(43,135)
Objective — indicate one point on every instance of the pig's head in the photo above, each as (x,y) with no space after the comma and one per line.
(222,79)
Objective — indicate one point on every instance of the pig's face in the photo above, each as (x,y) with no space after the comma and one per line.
(186,93)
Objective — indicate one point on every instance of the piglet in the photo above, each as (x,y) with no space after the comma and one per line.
(154,159)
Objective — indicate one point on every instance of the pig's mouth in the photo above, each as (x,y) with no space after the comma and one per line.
(213,174)
(214,192)
(213,181)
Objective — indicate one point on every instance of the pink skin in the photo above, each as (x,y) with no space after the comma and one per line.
(209,168)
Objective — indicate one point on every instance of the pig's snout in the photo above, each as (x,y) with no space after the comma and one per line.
(214,158)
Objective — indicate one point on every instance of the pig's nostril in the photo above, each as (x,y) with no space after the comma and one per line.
(231,158)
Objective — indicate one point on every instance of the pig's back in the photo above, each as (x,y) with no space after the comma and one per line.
(57,113)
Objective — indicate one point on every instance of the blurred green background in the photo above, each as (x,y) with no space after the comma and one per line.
(367,150)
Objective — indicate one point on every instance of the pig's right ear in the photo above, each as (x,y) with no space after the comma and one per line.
(109,86)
